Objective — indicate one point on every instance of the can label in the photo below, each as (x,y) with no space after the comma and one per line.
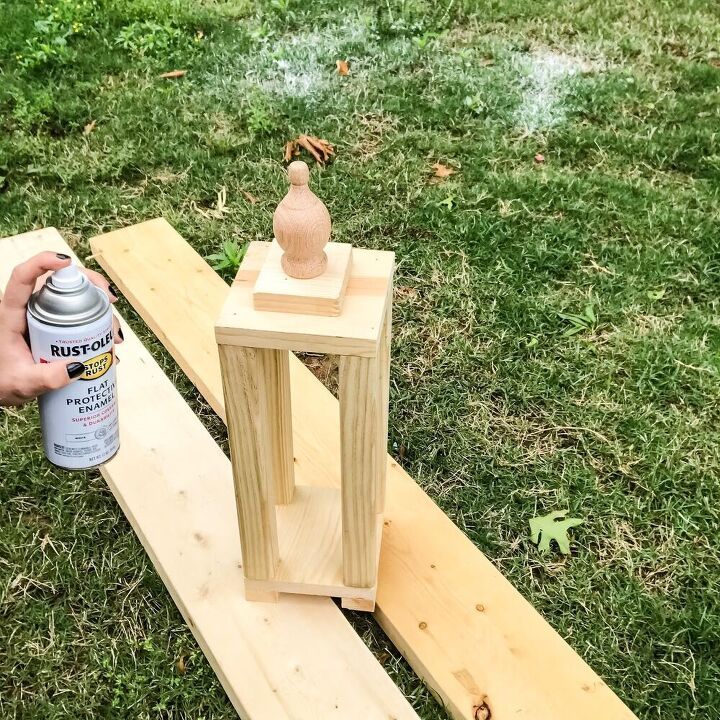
(79,421)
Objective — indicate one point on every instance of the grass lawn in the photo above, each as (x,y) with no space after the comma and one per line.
(501,407)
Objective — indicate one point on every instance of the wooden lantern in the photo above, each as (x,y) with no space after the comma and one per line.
(298,536)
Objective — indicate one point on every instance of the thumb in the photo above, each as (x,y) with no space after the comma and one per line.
(43,377)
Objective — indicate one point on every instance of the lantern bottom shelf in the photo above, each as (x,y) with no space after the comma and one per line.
(310,550)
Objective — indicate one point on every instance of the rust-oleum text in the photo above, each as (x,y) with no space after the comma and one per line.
(77,350)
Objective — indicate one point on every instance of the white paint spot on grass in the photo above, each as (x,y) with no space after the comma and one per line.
(547,86)
(303,65)
(296,79)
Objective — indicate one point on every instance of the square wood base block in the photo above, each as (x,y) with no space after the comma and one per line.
(277,292)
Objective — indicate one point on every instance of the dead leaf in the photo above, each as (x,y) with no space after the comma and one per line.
(442,172)
(539,158)
(405,293)
(173,74)
(342,67)
(220,207)
(715,62)
(89,127)
(320,149)
(486,62)
(289,150)
(250,198)
(180,665)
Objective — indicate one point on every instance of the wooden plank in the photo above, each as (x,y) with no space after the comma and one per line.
(461,625)
(191,297)
(361,420)
(251,430)
(323,295)
(296,659)
(355,332)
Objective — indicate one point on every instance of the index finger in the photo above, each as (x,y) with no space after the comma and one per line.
(21,285)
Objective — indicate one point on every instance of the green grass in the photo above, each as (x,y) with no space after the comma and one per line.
(495,409)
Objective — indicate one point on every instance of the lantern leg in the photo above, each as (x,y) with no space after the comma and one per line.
(361,422)
(257,405)
(384,371)
(277,377)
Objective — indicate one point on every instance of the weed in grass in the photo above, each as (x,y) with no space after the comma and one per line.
(146,38)
(229,258)
(57,24)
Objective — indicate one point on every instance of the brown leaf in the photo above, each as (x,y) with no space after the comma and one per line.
(89,127)
(173,74)
(486,62)
(342,67)
(442,171)
(180,665)
(250,198)
(715,62)
(539,158)
(320,149)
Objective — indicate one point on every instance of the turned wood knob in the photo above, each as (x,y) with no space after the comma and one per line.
(301,224)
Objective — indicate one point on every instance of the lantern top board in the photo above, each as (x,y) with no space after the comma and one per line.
(356,331)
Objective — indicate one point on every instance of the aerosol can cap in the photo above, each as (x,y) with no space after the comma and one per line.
(68,278)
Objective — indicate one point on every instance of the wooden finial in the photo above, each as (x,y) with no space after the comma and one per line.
(302,226)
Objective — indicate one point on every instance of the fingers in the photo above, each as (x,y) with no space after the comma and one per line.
(117,331)
(101,281)
(40,378)
(21,285)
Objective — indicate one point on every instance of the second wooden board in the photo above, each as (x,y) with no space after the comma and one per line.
(463,627)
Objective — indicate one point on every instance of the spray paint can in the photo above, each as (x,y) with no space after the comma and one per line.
(70,319)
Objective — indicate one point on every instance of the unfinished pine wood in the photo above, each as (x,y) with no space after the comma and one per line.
(275,291)
(361,421)
(384,369)
(296,660)
(355,332)
(277,374)
(145,258)
(251,430)
(462,626)
(310,548)
(359,604)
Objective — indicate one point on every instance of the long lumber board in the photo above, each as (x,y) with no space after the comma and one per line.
(480,646)
(297,659)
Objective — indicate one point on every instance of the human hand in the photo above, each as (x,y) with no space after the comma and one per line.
(21,378)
